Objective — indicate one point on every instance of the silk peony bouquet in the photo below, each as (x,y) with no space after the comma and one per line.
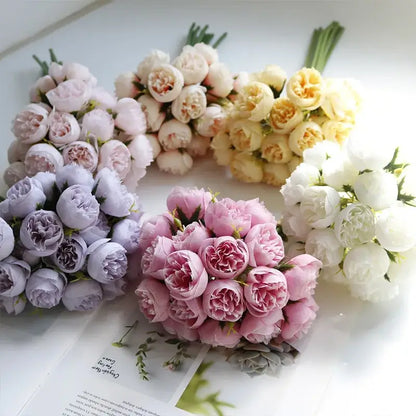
(182,99)
(72,120)
(274,119)
(66,237)
(268,131)
(215,271)
(353,208)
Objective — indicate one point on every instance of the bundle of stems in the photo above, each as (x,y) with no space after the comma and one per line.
(322,44)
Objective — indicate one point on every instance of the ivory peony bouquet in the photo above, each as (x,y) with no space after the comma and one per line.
(183,99)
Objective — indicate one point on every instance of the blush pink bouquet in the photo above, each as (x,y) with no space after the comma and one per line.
(70,119)
(215,271)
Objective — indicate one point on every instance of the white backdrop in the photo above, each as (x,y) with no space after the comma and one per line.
(359,355)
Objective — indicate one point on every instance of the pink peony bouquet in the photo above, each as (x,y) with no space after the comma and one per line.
(72,120)
(215,271)
(66,237)
(183,99)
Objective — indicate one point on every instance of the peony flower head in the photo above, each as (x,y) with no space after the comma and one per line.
(116,156)
(63,128)
(306,88)
(77,207)
(378,189)
(127,233)
(320,206)
(71,254)
(189,312)
(273,76)
(192,65)
(31,125)
(219,80)
(226,217)
(41,232)
(13,305)
(69,95)
(114,197)
(223,300)
(82,295)
(25,197)
(265,246)
(97,124)
(17,151)
(190,104)
(217,335)
(45,287)
(155,58)
(301,278)
(153,300)
(208,52)
(42,157)
(154,257)
(41,86)
(224,257)
(73,174)
(124,85)
(275,149)
(107,261)
(174,134)
(81,153)
(100,229)
(395,228)
(265,291)
(305,135)
(255,101)
(165,83)
(185,275)
(189,201)
(130,117)
(299,318)
(212,121)
(302,177)
(6,239)
(246,168)
(325,246)
(246,135)
(13,276)
(152,109)
(355,225)
(223,152)
(175,162)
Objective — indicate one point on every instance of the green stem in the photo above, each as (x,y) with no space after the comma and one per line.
(322,44)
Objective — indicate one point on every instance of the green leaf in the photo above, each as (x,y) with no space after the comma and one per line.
(118,344)
(195,215)
(172,341)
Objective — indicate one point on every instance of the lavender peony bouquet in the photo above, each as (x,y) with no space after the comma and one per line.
(66,236)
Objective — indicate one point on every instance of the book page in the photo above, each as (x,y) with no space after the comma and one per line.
(97,378)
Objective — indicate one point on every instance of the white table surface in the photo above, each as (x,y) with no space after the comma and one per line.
(360,357)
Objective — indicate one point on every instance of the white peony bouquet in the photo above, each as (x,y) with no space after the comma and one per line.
(183,99)
(352,207)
